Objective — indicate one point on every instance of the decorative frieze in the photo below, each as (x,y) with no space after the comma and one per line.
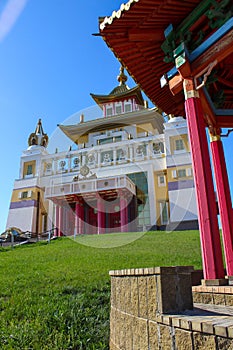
(105,155)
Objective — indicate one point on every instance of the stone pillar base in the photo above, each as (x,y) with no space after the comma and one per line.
(214,282)
(230,280)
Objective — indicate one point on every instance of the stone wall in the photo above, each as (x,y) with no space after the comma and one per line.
(153,309)
(218,295)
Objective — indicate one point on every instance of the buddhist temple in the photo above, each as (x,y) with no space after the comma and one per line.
(130,170)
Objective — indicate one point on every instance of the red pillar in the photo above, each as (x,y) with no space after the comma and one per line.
(79,217)
(101,215)
(70,230)
(124,213)
(60,222)
(224,199)
(207,212)
(57,221)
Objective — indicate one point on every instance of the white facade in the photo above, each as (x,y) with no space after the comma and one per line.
(130,171)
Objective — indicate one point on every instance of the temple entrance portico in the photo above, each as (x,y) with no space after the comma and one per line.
(94,206)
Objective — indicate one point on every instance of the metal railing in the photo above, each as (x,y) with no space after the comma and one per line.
(14,236)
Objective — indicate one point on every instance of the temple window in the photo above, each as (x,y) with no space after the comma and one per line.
(128,106)
(103,141)
(29,169)
(109,110)
(118,107)
(179,145)
(181,173)
(136,106)
(24,195)
(161,180)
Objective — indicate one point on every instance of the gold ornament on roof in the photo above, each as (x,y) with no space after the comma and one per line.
(38,138)
(122,78)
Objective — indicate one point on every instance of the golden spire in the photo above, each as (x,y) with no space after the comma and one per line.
(38,138)
(39,129)
(122,78)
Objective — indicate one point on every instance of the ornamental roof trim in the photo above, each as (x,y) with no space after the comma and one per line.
(117,14)
(118,93)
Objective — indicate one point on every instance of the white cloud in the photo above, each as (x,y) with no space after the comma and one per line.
(9,16)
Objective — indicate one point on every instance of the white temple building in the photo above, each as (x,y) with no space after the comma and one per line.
(131,171)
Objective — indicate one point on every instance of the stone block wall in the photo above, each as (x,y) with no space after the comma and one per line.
(153,309)
(218,295)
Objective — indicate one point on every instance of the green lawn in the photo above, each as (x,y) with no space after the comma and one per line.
(56,296)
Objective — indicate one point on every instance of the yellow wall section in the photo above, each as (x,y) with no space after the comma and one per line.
(161,193)
(183,137)
(82,139)
(34,192)
(170,170)
(15,194)
(147,127)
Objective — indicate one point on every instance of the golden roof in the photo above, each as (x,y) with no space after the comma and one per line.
(144,116)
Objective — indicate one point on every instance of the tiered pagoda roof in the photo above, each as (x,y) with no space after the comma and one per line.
(122,91)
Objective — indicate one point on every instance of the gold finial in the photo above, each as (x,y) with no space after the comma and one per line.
(122,78)
(39,128)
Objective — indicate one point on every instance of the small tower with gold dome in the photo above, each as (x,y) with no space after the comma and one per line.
(27,196)
(38,138)
(121,99)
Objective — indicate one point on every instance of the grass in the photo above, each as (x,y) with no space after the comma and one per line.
(56,296)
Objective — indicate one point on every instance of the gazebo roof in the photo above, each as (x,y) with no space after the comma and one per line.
(137,34)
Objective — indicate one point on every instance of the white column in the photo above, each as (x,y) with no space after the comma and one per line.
(54,165)
(114,156)
(69,163)
(149,150)
(83,159)
(131,153)
(99,159)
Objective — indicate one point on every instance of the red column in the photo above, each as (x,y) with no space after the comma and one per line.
(79,218)
(100,215)
(71,216)
(124,213)
(60,222)
(224,199)
(207,212)
(57,221)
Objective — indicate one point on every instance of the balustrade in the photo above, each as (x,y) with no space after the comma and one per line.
(135,150)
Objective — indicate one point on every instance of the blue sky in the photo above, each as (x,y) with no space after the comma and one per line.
(49,64)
